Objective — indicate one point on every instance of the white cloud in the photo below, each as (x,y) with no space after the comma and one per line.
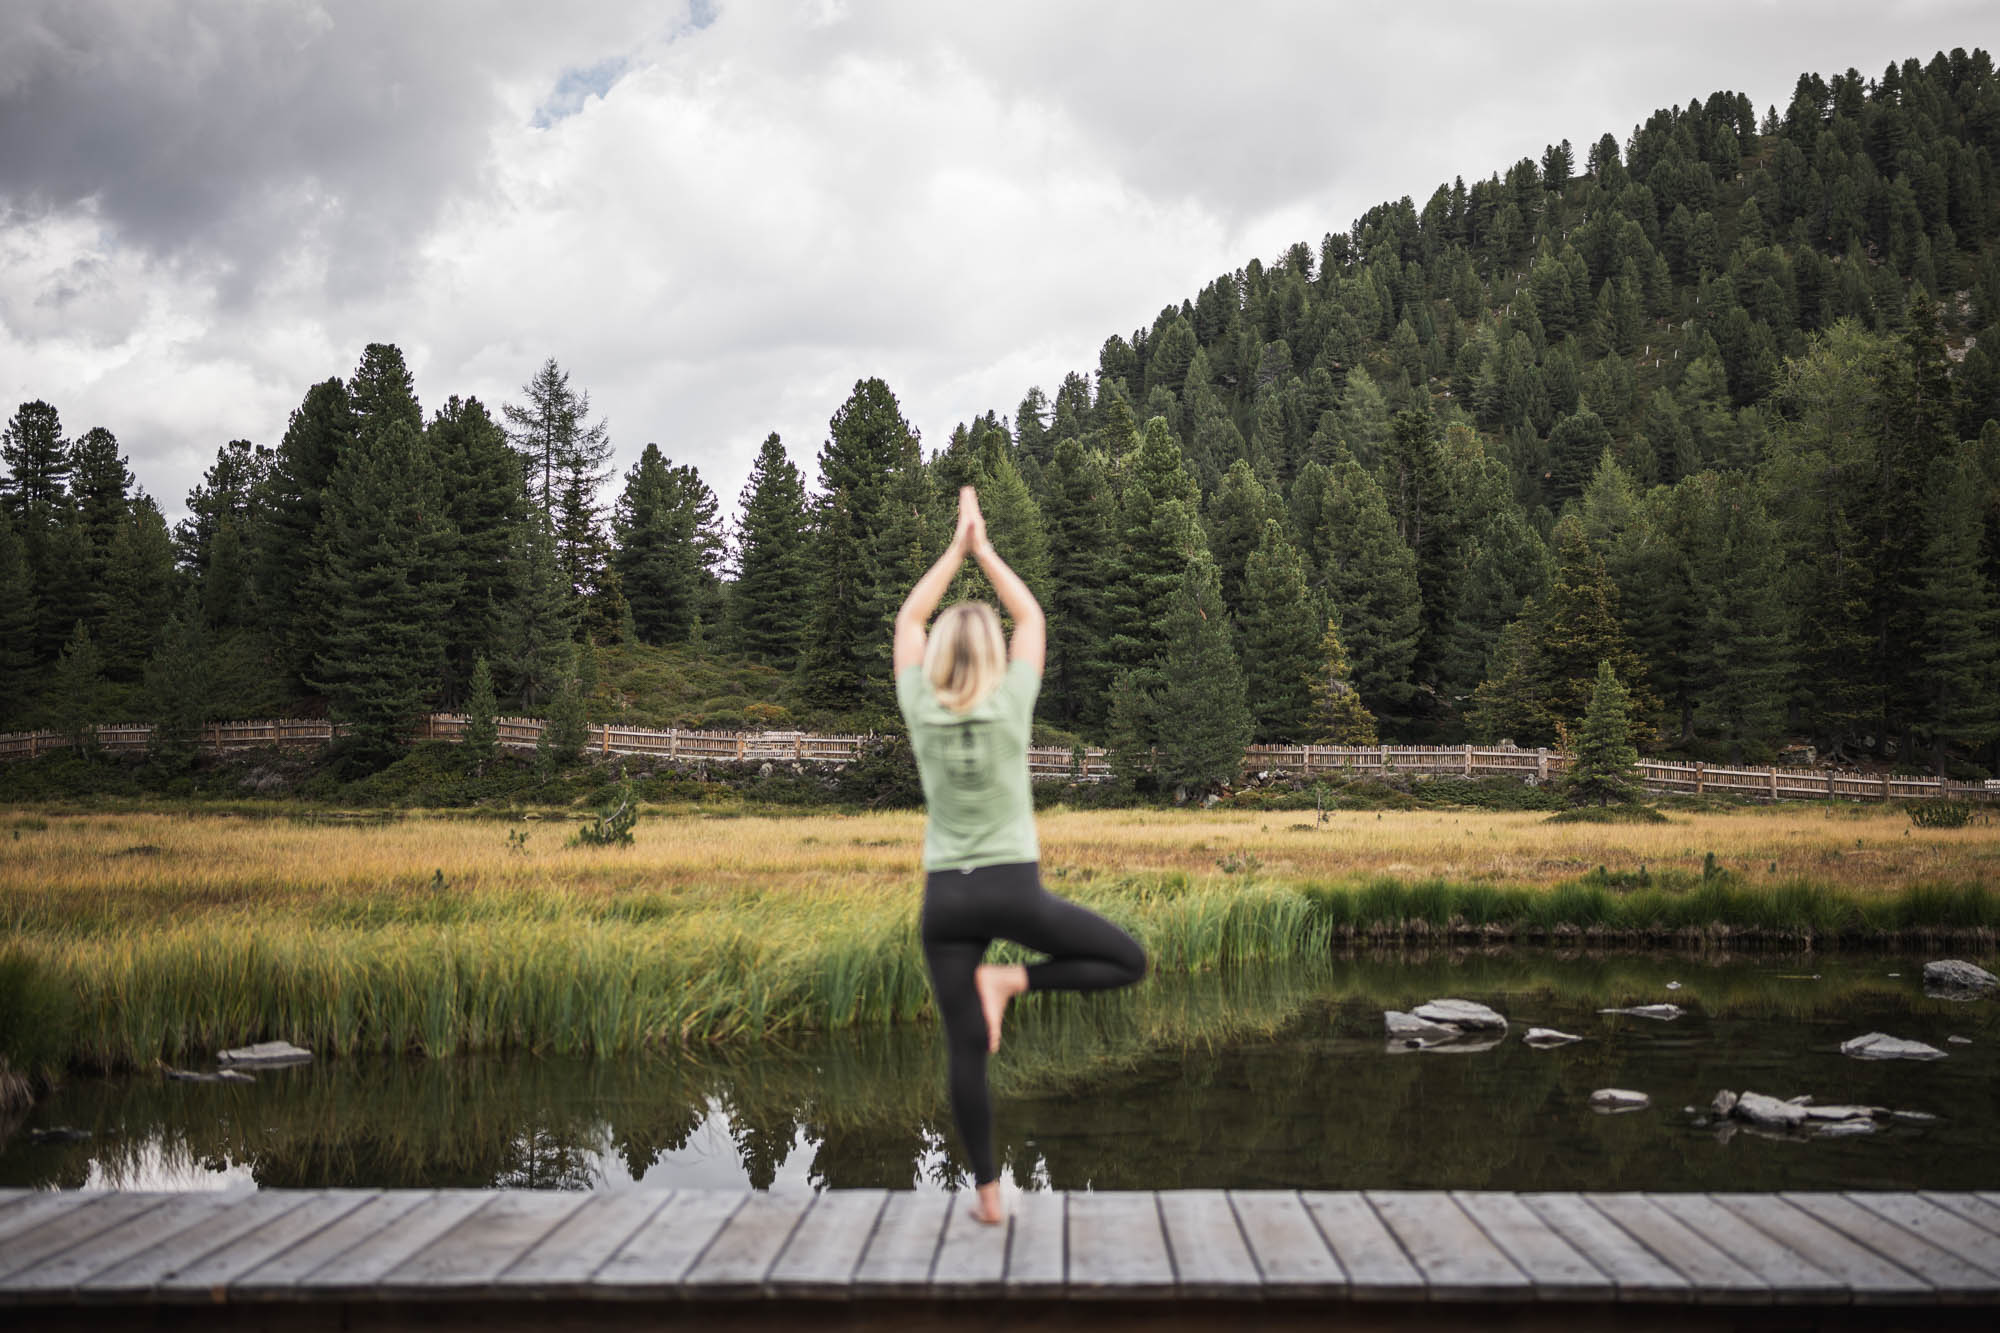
(718,218)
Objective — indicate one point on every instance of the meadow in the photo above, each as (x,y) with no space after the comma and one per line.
(135,937)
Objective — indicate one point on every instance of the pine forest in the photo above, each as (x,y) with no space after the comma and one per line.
(1706,418)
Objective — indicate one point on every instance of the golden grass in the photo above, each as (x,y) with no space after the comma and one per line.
(124,863)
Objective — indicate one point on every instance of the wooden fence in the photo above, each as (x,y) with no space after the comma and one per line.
(677,745)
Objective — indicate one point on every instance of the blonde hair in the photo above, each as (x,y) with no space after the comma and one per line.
(966,655)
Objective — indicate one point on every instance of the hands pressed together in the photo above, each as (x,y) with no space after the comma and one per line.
(970,536)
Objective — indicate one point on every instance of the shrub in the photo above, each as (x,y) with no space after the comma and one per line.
(613,825)
(1940,813)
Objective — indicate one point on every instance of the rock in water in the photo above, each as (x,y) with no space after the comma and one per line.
(1955,974)
(266,1053)
(1768,1111)
(1461,1013)
(1666,1013)
(1723,1103)
(1912,1117)
(1549,1037)
(1845,1112)
(1612,1100)
(1959,1041)
(1882,1046)
(1400,1024)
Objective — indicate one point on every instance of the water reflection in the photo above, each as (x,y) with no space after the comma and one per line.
(1271,1077)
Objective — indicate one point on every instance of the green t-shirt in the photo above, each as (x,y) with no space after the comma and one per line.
(974,767)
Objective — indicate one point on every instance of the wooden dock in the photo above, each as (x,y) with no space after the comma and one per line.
(506,1259)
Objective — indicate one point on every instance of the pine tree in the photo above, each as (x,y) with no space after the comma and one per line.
(567,728)
(101,492)
(1078,510)
(1417,474)
(38,461)
(906,541)
(482,720)
(1202,721)
(223,497)
(1338,717)
(1578,627)
(1131,727)
(564,456)
(1157,534)
(1958,648)
(387,584)
(289,542)
(17,628)
(769,596)
(1576,445)
(481,476)
(1745,624)
(1237,514)
(77,692)
(382,392)
(177,686)
(1014,522)
(137,591)
(667,546)
(1603,767)
(1281,646)
(1367,575)
(539,626)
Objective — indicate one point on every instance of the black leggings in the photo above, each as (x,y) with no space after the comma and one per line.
(966,910)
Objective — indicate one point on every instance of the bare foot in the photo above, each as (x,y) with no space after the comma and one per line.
(989,1209)
(997,984)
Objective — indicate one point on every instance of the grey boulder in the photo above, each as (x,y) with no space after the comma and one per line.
(266,1053)
(1461,1013)
(1882,1046)
(1768,1111)
(1544,1037)
(1955,974)
(1666,1013)
(1611,1101)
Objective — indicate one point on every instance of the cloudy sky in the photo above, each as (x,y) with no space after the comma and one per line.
(718,214)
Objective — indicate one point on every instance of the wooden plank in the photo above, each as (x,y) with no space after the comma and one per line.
(735,1262)
(1968,1206)
(1957,1281)
(1870,1278)
(561,1263)
(898,1259)
(1792,1277)
(1713,1276)
(38,1209)
(280,1275)
(1209,1254)
(358,1269)
(62,1228)
(1369,1253)
(1291,1255)
(1949,1232)
(1551,1263)
(819,1261)
(1457,1260)
(208,1277)
(1117,1247)
(63,1270)
(1037,1245)
(972,1257)
(141,1273)
(651,1261)
(467,1257)
(1635,1271)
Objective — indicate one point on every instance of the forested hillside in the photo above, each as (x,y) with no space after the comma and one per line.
(1715,403)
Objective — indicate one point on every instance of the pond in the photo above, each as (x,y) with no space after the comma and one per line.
(1266,1077)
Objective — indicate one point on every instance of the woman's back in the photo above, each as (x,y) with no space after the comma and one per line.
(974,768)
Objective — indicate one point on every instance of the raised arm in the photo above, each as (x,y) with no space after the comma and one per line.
(1030,643)
(930,589)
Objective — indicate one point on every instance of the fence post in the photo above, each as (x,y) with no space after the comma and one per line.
(1468,760)
(1774,784)
(1385,761)
(742,744)
(1885,786)
(607,738)
(1830,793)
(1700,783)
(1542,764)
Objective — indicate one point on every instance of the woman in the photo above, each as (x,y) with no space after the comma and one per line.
(968,698)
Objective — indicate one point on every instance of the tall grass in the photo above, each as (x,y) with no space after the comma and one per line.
(134,938)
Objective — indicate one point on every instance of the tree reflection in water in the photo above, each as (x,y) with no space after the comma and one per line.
(1263,1077)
